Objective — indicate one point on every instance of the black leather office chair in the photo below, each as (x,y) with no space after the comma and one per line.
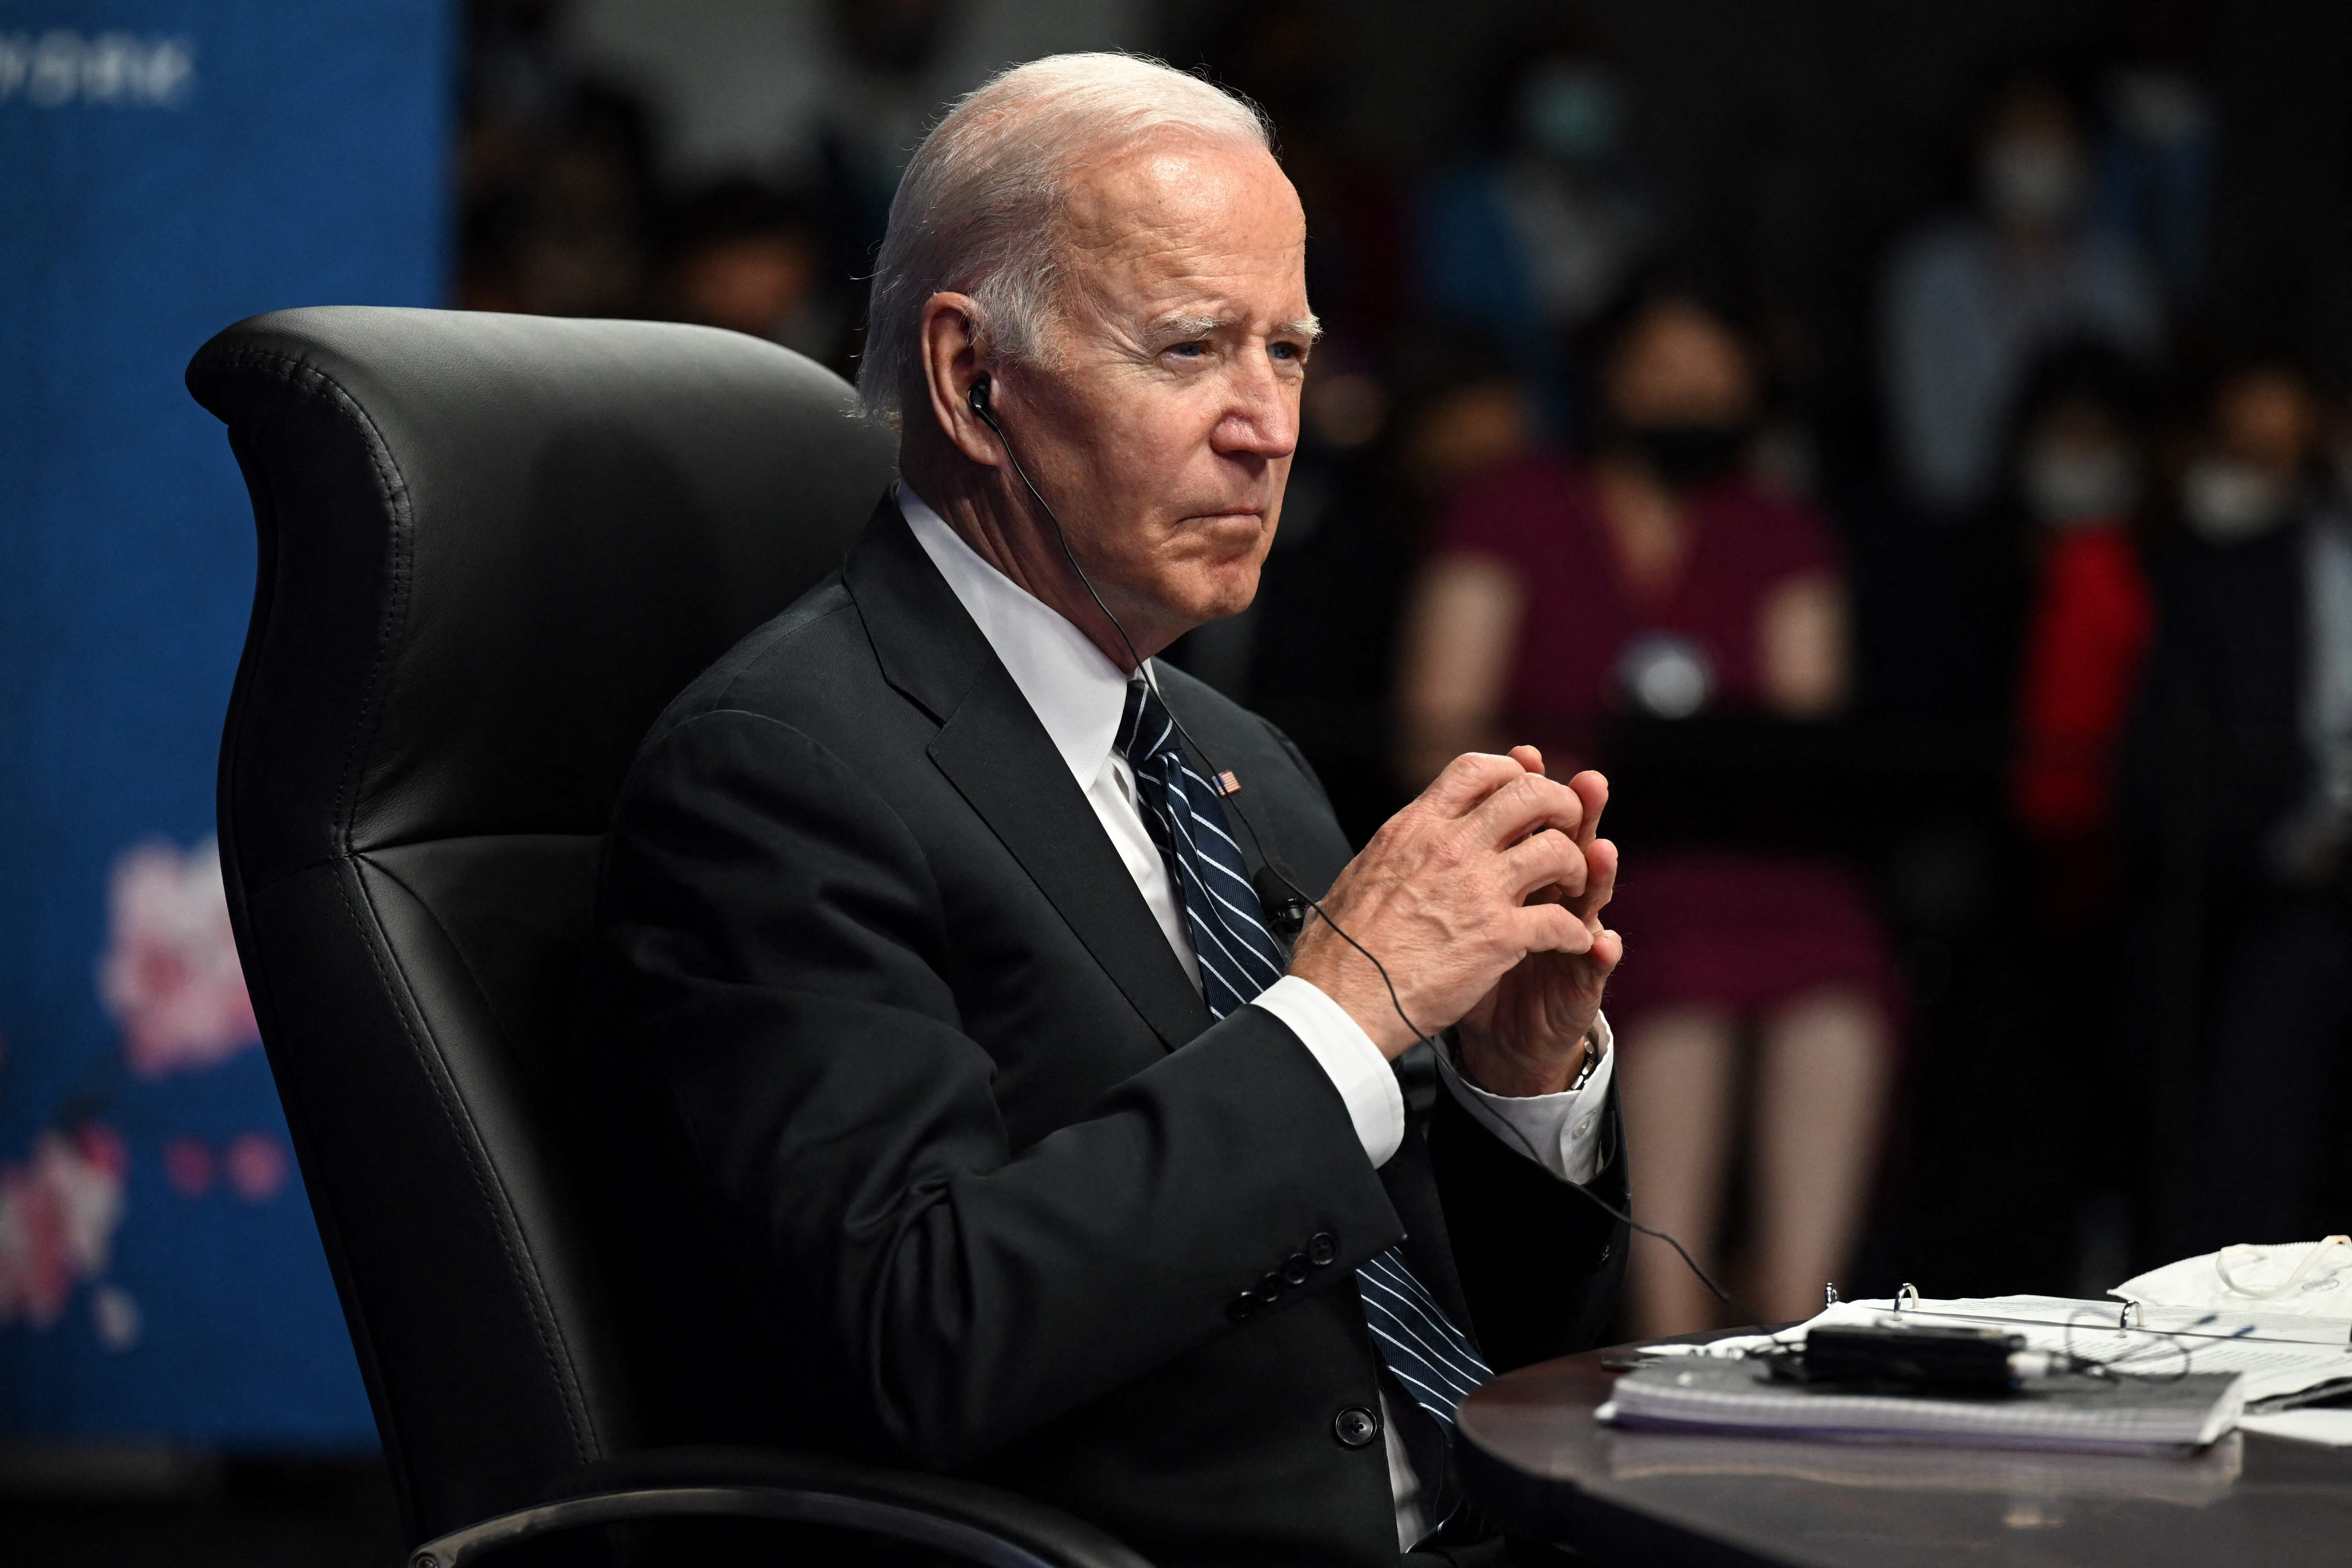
(491,549)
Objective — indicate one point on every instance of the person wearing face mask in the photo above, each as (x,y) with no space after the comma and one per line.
(1538,227)
(2079,475)
(2078,481)
(1972,302)
(2250,724)
(1660,577)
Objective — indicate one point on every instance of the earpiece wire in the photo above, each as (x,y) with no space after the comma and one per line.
(988,417)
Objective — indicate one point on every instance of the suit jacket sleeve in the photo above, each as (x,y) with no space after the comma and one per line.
(774,943)
(1541,1264)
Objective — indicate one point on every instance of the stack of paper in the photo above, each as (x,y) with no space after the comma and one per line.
(2184,1480)
(2196,1369)
(2129,1415)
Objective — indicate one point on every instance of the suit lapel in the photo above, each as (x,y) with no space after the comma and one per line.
(1249,832)
(995,750)
(999,757)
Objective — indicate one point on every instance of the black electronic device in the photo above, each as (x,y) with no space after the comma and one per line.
(1939,1358)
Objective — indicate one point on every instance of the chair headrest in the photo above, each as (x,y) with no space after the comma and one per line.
(503,543)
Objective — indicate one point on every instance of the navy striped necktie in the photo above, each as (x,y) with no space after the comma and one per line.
(1431,1358)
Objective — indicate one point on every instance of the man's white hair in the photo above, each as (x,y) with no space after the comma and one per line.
(979,211)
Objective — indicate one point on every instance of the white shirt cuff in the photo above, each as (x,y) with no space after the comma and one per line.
(1561,1132)
(1365,1082)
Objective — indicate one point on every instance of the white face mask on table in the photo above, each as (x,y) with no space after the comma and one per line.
(2300,1278)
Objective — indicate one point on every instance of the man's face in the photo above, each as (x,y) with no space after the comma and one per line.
(1162,424)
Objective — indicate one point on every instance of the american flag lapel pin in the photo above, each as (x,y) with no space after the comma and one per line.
(1227,783)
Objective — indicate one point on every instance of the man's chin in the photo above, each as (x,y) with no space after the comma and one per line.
(1226,595)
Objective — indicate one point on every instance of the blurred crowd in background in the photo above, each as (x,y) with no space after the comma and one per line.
(1906,446)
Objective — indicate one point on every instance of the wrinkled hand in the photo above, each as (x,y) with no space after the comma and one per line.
(1526,1036)
(1453,893)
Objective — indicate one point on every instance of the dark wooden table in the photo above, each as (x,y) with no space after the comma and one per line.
(1538,1461)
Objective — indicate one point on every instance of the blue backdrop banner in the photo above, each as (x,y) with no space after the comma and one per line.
(166,167)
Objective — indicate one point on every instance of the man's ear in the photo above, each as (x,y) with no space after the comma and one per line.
(953,358)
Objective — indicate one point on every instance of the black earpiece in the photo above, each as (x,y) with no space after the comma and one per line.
(978,397)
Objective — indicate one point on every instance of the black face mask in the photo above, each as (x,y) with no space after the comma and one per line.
(1686,456)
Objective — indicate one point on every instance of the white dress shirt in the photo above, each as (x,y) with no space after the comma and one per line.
(1079,696)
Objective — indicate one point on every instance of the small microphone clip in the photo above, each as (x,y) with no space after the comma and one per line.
(1285,912)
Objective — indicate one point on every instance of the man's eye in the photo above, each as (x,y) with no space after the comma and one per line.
(1191,349)
(1286,351)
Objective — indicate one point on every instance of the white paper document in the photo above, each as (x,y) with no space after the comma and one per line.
(2331,1428)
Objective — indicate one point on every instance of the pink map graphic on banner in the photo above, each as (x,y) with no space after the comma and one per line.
(57,1215)
(170,978)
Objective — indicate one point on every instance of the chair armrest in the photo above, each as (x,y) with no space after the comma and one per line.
(977,1523)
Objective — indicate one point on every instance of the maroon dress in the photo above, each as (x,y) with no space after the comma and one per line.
(1741,931)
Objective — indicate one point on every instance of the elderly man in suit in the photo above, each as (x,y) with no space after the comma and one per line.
(1115,1135)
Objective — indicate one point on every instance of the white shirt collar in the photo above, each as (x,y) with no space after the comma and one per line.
(1077,692)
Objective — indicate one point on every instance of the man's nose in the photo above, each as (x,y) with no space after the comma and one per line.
(1262,419)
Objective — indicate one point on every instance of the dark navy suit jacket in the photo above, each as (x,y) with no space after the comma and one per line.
(1007,1181)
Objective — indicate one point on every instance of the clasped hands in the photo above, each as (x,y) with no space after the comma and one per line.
(1482,900)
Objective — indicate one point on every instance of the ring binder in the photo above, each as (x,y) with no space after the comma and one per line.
(2283,1358)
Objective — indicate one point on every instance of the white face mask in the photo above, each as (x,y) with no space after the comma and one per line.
(1572,110)
(2303,1279)
(2032,182)
(2225,501)
(2067,486)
